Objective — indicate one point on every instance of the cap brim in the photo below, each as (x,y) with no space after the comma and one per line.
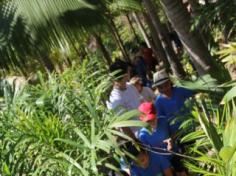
(148,117)
(159,82)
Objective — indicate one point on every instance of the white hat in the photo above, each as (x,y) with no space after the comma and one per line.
(160,77)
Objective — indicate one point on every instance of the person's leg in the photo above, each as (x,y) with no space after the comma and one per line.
(178,166)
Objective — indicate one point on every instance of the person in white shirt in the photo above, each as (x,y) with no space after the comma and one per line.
(123,97)
(145,93)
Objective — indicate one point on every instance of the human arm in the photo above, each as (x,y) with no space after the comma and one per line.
(142,136)
(186,93)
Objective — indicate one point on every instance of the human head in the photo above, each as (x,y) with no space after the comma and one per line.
(148,114)
(141,155)
(162,82)
(137,82)
(121,73)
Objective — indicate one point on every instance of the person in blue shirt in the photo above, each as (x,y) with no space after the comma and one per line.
(160,135)
(159,139)
(146,164)
(170,103)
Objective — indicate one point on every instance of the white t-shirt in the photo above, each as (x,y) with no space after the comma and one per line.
(147,95)
(127,99)
(124,100)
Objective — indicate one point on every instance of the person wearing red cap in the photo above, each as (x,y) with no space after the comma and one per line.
(159,137)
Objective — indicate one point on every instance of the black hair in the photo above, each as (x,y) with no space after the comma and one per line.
(120,67)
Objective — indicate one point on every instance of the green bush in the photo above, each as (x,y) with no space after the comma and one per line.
(61,126)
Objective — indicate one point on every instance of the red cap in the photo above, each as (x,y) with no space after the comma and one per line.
(148,110)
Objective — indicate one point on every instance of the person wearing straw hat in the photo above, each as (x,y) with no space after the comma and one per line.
(170,102)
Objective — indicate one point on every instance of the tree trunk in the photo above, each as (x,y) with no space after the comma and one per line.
(132,27)
(105,53)
(205,35)
(158,49)
(175,64)
(118,39)
(181,22)
(141,28)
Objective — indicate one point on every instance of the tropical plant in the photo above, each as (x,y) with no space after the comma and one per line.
(44,26)
(62,126)
(228,57)
(181,22)
(219,17)
(212,144)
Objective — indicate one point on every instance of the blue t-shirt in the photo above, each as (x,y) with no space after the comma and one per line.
(174,106)
(157,165)
(155,139)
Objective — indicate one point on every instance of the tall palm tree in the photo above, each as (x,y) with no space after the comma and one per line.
(181,22)
(33,28)
(157,43)
(41,25)
(175,64)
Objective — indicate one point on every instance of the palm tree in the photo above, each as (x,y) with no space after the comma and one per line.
(175,64)
(33,29)
(141,28)
(157,43)
(49,24)
(181,22)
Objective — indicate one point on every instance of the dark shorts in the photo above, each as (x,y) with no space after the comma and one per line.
(177,164)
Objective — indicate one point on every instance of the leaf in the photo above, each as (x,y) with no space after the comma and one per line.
(83,137)
(112,167)
(210,130)
(6,170)
(70,142)
(73,162)
(104,145)
(120,134)
(128,115)
(230,95)
(204,83)
(129,123)
(226,153)
(193,136)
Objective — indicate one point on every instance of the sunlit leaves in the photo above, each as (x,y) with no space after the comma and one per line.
(61,126)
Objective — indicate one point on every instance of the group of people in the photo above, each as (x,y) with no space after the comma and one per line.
(154,156)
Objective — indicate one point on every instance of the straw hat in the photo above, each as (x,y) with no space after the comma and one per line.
(160,77)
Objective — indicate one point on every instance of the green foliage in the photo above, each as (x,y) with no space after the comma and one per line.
(218,16)
(203,83)
(33,28)
(213,144)
(228,54)
(61,126)
(124,5)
